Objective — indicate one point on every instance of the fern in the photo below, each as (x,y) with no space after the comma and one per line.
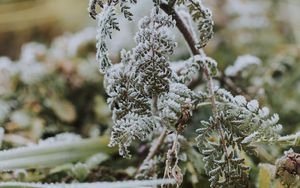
(146,94)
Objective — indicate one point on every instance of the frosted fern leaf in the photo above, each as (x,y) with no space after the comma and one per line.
(154,44)
(170,104)
(129,128)
(203,17)
(107,21)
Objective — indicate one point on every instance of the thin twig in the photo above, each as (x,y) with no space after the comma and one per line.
(154,148)
(173,171)
(158,142)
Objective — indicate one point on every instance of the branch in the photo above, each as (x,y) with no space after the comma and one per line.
(195,51)
(154,148)
(182,28)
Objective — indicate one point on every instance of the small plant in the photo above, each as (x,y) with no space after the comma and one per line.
(147,97)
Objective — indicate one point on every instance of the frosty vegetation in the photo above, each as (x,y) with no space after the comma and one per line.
(147,97)
(168,121)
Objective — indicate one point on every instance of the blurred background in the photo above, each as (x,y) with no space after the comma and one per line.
(50,84)
(39,20)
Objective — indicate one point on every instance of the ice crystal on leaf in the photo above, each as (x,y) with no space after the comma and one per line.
(107,22)
(129,128)
(145,94)
(154,45)
(124,6)
(170,103)
(203,17)
(243,124)
(139,76)
(124,96)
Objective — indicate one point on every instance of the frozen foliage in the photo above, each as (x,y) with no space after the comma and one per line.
(187,70)
(170,103)
(242,63)
(106,23)
(130,127)
(147,94)
(30,58)
(243,124)
(29,68)
(207,63)
(249,118)
(154,45)
(203,17)
(78,40)
(70,45)
(63,137)
(142,74)
(124,97)
(124,6)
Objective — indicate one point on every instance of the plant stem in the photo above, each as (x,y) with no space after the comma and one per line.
(156,145)
(154,105)
(154,148)
(182,28)
(195,51)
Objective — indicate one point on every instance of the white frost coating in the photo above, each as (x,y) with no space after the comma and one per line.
(250,138)
(242,63)
(50,147)
(88,70)
(106,22)
(253,105)
(240,100)
(264,112)
(120,184)
(169,104)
